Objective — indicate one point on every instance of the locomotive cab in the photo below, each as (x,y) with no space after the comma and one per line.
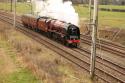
(73,36)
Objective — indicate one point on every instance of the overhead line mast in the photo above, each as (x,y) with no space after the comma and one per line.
(90,11)
(94,38)
(11,3)
(14,24)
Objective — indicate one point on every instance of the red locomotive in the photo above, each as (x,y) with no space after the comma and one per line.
(68,33)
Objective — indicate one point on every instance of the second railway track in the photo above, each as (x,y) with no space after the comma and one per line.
(106,45)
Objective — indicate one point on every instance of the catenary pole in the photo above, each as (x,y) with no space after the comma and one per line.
(90,16)
(31,6)
(11,3)
(94,37)
(14,24)
(90,10)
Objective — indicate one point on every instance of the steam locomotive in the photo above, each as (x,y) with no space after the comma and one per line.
(67,33)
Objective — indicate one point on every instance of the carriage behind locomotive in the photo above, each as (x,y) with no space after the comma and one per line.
(67,33)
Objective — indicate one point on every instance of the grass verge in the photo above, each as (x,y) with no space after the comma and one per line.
(11,70)
(45,64)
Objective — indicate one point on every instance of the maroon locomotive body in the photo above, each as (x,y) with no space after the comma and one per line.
(68,33)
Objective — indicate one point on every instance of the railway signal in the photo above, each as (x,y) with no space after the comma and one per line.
(94,37)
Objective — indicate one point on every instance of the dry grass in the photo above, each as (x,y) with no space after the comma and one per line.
(115,35)
(44,63)
(84,27)
(11,71)
(7,63)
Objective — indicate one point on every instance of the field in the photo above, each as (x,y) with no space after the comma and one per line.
(20,7)
(112,6)
(109,6)
(106,18)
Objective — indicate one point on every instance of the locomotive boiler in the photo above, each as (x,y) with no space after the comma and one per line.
(67,33)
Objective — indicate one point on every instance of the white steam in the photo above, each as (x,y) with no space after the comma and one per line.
(56,9)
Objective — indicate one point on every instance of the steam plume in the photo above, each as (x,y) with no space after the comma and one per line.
(56,9)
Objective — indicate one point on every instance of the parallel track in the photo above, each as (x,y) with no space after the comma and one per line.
(106,45)
(104,69)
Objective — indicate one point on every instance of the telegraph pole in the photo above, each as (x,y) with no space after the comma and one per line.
(11,3)
(31,6)
(14,24)
(94,37)
(90,10)
(90,16)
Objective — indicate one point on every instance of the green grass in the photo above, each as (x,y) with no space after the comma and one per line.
(106,18)
(112,6)
(112,19)
(108,6)
(82,11)
(19,74)
(20,7)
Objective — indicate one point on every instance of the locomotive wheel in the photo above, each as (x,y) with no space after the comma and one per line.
(75,45)
(67,44)
(54,36)
(64,41)
(49,35)
(35,29)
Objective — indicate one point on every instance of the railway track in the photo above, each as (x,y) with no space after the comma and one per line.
(101,43)
(106,45)
(105,69)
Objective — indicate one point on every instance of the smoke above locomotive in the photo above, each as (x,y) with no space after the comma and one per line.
(56,9)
